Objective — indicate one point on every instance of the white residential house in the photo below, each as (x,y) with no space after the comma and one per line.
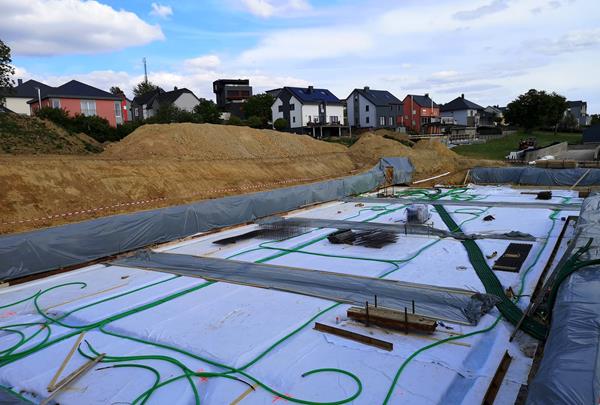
(463,111)
(309,110)
(146,105)
(16,99)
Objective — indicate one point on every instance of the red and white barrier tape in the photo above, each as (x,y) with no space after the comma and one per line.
(140,202)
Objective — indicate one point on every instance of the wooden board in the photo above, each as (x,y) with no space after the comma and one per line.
(357,337)
(392,319)
(513,257)
(494,387)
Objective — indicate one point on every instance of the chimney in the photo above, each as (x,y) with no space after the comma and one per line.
(367,88)
(174,87)
(426,94)
(462,95)
(310,89)
(19,82)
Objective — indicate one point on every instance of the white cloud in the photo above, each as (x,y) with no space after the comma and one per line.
(308,44)
(162,11)
(54,27)
(269,8)
(571,42)
(494,7)
(202,62)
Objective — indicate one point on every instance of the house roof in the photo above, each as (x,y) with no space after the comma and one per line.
(169,97)
(577,103)
(147,97)
(312,95)
(25,90)
(5,110)
(76,89)
(378,97)
(460,103)
(423,101)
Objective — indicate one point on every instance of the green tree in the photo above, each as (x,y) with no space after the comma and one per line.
(208,112)
(280,124)
(536,109)
(144,87)
(255,122)
(234,120)
(568,122)
(116,90)
(6,69)
(259,106)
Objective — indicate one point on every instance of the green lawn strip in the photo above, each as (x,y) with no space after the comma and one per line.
(497,149)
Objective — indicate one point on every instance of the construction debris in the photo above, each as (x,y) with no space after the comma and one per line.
(357,337)
(417,214)
(512,259)
(392,319)
(371,239)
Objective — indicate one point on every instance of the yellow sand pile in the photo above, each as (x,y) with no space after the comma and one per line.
(216,142)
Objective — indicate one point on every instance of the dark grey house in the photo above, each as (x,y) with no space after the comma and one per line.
(463,111)
(578,109)
(232,94)
(368,108)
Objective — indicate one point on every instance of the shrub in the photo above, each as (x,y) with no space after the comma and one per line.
(280,124)
(255,122)
(234,120)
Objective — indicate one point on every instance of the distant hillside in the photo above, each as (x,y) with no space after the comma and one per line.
(31,135)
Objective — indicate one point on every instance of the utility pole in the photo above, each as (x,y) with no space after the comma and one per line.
(145,71)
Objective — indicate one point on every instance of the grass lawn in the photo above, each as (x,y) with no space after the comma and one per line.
(497,149)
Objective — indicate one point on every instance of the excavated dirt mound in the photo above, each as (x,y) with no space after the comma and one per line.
(216,142)
(429,157)
(31,135)
(162,165)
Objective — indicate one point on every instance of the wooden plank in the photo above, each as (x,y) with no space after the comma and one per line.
(64,383)
(392,319)
(357,337)
(244,394)
(494,387)
(52,384)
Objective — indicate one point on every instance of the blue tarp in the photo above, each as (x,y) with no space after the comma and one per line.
(53,248)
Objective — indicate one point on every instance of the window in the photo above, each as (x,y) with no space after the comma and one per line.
(118,114)
(136,112)
(367,119)
(334,119)
(55,102)
(294,118)
(382,121)
(391,121)
(292,107)
(88,107)
(280,108)
(309,119)
(414,112)
(367,107)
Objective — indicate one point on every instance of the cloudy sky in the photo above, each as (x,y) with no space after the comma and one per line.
(491,50)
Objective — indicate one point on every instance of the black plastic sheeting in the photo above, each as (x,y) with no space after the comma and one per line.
(53,248)
(449,304)
(569,372)
(534,176)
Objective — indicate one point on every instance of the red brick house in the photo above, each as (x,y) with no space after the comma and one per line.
(421,114)
(80,98)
